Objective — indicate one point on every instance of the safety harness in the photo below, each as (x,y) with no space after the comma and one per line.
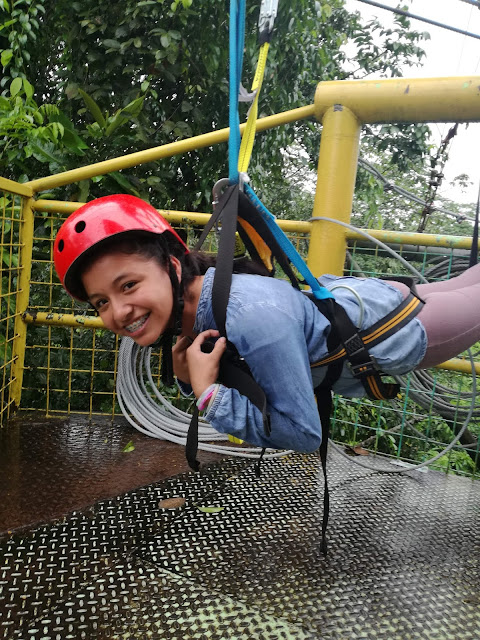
(239,210)
(345,341)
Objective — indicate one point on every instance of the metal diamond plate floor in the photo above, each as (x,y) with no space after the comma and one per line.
(239,559)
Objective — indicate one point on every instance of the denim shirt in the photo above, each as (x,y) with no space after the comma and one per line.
(280,332)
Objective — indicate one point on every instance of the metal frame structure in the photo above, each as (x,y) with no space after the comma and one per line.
(342,108)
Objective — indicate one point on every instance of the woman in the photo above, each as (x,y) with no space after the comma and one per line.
(120,255)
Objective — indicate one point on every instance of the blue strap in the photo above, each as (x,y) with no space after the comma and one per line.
(236,45)
(319,292)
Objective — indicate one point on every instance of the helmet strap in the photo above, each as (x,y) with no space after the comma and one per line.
(167,337)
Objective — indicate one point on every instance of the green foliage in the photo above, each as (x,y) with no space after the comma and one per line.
(135,74)
(386,51)
(458,461)
(20,25)
(29,131)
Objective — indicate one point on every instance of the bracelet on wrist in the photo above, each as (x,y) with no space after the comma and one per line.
(212,398)
(205,397)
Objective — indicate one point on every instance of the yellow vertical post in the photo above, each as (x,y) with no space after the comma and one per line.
(337,170)
(23,296)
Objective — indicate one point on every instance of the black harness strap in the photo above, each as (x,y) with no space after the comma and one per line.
(323,395)
(191,444)
(324,404)
(353,345)
(228,206)
(234,372)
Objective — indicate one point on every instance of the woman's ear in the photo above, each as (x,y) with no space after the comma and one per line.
(175,262)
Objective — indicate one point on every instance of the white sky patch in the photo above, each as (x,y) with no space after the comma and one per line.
(447,54)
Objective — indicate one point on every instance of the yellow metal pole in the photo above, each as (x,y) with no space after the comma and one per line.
(174,217)
(23,295)
(63,320)
(93,322)
(15,187)
(291,226)
(455,99)
(460,365)
(412,238)
(337,169)
(164,151)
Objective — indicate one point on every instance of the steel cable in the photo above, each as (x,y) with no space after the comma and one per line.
(159,418)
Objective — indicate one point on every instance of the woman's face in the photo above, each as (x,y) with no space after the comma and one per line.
(132,293)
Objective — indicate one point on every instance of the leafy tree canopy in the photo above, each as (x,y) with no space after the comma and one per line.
(86,81)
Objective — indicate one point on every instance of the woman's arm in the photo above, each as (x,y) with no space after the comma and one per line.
(274,347)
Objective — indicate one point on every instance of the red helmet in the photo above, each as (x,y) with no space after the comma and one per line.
(98,220)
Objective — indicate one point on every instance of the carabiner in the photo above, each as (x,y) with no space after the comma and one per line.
(218,189)
(268,13)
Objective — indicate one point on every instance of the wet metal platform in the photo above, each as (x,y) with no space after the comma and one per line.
(118,549)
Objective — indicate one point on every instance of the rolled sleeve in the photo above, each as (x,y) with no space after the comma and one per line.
(273,345)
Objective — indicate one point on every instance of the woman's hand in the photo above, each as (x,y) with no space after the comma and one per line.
(203,367)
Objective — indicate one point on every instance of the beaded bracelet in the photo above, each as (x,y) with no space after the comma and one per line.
(203,400)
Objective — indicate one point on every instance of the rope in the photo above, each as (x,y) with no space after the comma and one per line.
(248,137)
(236,44)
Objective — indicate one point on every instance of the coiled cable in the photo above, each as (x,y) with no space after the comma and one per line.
(159,418)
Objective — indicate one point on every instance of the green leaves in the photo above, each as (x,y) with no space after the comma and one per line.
(5,57)
(108,125)
(18,32)
(15,86)
(93,107)
(209,509)
(129,447)
(122,116)
(27,87)
(111,45)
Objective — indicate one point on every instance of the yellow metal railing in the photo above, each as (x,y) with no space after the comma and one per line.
(15,260)
(42,331)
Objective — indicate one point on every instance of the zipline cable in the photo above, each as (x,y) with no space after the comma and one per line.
(474,3)
(407,14)
(390,186)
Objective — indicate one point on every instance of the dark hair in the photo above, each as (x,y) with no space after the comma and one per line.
(161,248)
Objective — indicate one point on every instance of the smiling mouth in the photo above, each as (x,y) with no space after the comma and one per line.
(131,328)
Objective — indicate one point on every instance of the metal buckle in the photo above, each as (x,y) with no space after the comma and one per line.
(268,13)
(364,368)
(218,189)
